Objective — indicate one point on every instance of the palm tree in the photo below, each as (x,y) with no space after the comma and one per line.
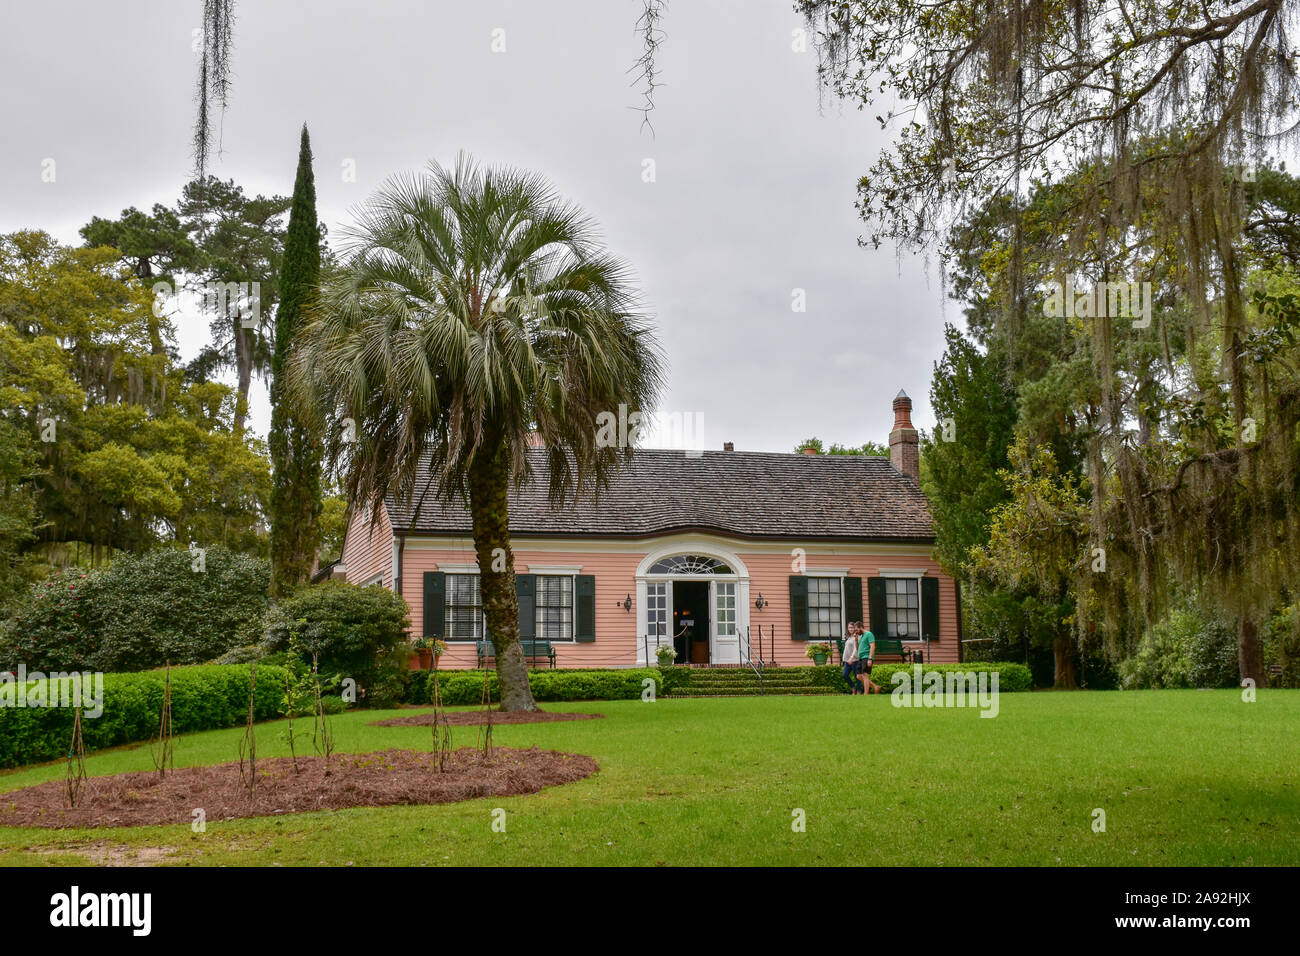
(475,308)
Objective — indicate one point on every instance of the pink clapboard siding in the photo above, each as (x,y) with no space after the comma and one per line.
(616,637)
(770,574)
(614,566)
(368,549)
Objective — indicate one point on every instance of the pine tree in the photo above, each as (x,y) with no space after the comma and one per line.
(295,448)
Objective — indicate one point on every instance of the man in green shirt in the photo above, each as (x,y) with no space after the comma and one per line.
(866,657)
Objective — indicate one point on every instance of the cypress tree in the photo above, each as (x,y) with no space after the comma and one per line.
(295,447)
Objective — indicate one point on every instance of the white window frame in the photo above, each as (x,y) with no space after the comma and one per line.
(573,607)
(447,605)
(920,623)
(472,571)
(843,625)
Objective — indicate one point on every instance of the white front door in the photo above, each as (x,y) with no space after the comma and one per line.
(725,633)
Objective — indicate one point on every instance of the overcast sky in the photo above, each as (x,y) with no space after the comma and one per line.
(753,193)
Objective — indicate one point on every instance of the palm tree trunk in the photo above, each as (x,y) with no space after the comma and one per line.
(489,484)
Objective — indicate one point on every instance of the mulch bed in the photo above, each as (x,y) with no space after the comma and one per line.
(383,779)
(477,718)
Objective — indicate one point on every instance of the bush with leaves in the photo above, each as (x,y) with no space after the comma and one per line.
(1188,648)
(356,632)
(139,612)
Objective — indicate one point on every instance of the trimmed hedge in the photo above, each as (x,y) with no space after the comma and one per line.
(1011,677)
(466,687)
(204,697)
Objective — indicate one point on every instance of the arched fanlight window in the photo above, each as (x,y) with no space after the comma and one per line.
(690,564)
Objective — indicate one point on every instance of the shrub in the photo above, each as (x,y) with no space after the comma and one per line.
(672,677)
(390,684)
(357,632)
(466,687)
(244,654)
(1011,677)
(205,697)
(1188,648)
(139,612)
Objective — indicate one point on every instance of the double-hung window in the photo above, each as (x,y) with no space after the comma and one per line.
(903,607)
(824,608)
(464,608)
(554,612)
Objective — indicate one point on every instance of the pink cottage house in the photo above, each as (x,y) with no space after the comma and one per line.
(705,551)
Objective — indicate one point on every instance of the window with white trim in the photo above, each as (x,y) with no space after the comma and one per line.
(464,608)
(903,607)
(656,608)
(824,608)
(726,616)
(554,607)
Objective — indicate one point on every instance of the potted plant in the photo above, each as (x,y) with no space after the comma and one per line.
(666,654)
(422,659)
(819,651)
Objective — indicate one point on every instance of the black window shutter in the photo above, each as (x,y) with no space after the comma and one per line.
(584,599)
(435,596)
(852,601)
(930,608)
(879,624)
(798,608)
(526,591)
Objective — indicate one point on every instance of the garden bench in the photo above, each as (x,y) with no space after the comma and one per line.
(891,648)
(888,647)
(533,649)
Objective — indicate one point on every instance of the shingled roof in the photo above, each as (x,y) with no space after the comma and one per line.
(742,494)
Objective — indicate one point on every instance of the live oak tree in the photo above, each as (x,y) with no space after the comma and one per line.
(128,453)
(474,306)
(19,513)
(992,99)
(294,444)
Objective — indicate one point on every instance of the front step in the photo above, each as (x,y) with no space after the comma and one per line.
(807,690)
(743,682)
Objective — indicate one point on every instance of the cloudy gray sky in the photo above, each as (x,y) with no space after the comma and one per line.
(752,199)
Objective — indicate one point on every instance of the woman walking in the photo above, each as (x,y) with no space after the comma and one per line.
(849,658)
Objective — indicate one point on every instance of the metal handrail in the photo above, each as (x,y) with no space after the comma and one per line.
(748,657)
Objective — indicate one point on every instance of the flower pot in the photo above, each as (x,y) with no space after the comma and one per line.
(422,659)
(819,659)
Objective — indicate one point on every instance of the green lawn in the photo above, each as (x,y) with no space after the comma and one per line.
(1185,777)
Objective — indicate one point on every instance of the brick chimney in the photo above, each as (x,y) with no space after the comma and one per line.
(728,446)
(904,446)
